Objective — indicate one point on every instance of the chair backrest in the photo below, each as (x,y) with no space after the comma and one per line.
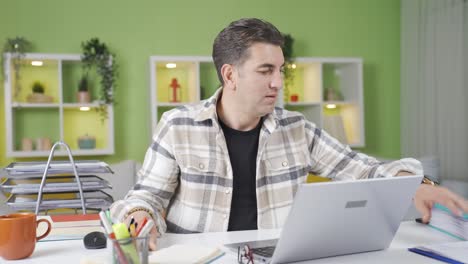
(123,179)
(4,208)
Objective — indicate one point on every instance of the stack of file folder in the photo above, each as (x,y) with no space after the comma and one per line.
(22,183)
(443,220)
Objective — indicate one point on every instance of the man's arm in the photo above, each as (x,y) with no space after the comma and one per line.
(429,193)
(337,161)
(157,181)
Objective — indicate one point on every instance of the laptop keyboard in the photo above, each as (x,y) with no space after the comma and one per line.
(264,251)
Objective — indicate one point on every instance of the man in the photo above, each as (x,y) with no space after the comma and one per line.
(234,161)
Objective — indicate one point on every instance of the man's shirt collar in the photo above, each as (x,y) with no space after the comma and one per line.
(209,112)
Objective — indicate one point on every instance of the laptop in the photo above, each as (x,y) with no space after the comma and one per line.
(338,218)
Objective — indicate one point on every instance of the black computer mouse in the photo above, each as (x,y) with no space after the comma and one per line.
(95,240)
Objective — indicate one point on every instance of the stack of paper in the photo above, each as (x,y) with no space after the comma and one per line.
(18,169)
(182,253)
(443,220)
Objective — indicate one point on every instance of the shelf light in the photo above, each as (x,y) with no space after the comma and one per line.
(331,106)
(37,63)
(171,65)
(85,108)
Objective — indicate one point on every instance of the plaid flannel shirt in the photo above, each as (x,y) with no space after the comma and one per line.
(187,172)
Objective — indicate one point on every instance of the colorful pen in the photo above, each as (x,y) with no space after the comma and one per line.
(145,220)
(105,223)
(146,229)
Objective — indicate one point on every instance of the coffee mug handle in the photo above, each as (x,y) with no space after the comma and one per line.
(49,227)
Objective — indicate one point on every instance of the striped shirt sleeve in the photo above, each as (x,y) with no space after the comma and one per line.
(157,179)
(337,161)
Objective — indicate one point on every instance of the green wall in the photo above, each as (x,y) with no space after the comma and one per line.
(134,30)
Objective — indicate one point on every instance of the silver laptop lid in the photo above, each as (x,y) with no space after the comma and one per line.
(337,218)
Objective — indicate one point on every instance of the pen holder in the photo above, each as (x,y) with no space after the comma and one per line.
(133,250)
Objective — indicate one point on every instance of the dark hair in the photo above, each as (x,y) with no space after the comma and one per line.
(232,43)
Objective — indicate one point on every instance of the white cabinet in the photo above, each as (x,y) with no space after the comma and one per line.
(328,91)
(32,121)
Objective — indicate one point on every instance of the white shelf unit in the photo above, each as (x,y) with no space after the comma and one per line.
(60,119)
(312,77)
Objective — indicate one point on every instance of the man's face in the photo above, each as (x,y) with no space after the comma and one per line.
(259,79)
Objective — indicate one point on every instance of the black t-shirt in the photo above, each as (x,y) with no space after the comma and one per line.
(242,147)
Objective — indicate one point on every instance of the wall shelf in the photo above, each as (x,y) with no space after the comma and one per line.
(60,119)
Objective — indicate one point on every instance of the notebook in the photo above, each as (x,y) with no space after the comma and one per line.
(338,218)
(182,253)
(69,227)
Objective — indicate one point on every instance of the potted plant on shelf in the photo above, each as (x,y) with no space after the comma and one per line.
(289,66)
(38,95)
(17,47)
(96,54)
(82,95)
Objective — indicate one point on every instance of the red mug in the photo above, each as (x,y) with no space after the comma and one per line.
(18,235)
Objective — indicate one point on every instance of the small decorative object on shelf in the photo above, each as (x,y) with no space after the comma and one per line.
(17,47)
(334,125)
(43,144)
(26,144)
(294,97)
(174,91)
(38,95)
(87,142)
(332,95)
(82,95)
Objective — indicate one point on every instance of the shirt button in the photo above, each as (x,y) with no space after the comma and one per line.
(227,191)
(201,166)
(285,163)
(225,216)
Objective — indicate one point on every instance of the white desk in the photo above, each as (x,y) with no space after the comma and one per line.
(409,234)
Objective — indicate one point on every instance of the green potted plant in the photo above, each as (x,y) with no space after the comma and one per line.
(38,88)
(38,94)
(17,47)
(289,66)
(96,54)
(82,95)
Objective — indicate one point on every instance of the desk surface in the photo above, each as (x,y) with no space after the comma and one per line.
(409,234)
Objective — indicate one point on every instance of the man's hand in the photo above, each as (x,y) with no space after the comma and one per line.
(139,216)
(427,195)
